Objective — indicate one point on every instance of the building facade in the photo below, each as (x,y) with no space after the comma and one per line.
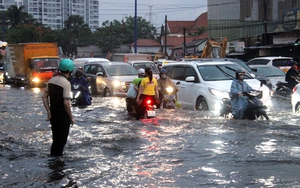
(247,18)
(53,13)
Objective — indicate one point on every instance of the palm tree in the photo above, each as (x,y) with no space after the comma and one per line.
(16,16)
(75,28)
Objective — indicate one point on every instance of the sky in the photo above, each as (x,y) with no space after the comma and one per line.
(152,10)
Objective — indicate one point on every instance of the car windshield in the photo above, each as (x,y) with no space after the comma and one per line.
(45,64)
(120,70)
(145,65)
(219,72)
(270,71)
(242,64)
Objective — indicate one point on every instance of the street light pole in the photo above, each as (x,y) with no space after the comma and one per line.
(3,23)
(135,28)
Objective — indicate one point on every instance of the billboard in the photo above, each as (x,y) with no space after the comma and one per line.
(291,19)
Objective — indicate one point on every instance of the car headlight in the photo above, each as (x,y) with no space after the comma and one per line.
(118,83)
(219,93)
(36,80)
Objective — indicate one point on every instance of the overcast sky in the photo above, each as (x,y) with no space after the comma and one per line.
(174,9)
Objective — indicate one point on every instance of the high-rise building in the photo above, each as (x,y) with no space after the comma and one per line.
(53,13)
(241,18)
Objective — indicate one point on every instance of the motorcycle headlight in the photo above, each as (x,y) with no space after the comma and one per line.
(169,89)
(77,94)
(219,93)
(36,80)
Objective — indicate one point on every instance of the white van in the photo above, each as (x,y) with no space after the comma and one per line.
(80,62)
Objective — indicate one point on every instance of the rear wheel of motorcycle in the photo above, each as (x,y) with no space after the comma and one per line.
(107,93)
(201,104)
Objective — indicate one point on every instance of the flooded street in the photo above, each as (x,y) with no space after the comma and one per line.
(178,148)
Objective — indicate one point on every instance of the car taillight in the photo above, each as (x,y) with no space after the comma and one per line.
(294,89)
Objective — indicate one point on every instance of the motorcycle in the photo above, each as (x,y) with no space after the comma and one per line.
(169,98)
(254,110)
(283,89)
(146,109)
(80,97)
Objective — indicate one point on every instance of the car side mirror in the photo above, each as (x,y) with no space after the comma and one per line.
(254,69)
(99,74)
(177,83)
(190,79)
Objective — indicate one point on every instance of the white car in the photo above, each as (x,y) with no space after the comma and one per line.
(274,74)
(137,64)
(282,63)
(296,98)
(203,85)
(80,62)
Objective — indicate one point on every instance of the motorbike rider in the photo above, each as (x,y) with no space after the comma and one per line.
(163,82)
(148,89)
(131,103)
(239,103)
(292,74)
(80,80)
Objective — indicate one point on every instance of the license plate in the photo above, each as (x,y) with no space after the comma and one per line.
(151,113)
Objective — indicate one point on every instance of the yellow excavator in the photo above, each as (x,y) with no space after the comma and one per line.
(215,48)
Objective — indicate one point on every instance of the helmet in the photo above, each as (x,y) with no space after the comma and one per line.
(293,63)
(66,65)
(239,71)
(78,74)
(163,71)
(141,71)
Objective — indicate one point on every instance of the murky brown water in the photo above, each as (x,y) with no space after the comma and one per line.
(178,148)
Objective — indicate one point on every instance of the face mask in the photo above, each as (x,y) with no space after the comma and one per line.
(163,76)
(241,77)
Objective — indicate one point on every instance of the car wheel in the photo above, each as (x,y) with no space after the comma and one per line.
(107,92)
(201,104)
(297,108)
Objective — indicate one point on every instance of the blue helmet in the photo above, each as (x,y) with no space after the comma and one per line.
(66,65)
(163,71)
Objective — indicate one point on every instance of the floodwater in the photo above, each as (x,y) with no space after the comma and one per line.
(178,148)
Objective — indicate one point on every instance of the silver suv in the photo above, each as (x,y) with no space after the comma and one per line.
(110,78)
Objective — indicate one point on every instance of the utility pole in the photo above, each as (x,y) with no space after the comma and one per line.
(166,31)
(150,14)
(265,17)
(184,41)
(135,28)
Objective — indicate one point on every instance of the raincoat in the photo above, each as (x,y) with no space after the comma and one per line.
(239,104)
(86,96)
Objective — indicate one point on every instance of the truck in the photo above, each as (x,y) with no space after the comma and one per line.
(130,57)
(32,64)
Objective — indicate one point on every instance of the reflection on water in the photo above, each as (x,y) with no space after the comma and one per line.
(178,148)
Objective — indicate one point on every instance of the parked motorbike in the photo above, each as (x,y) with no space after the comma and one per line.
(283,89)
(254,110)
(169,98)
(79,96)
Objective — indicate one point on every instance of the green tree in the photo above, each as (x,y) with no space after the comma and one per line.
(75,28)
(22,34)
(112,34)
(16,16)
